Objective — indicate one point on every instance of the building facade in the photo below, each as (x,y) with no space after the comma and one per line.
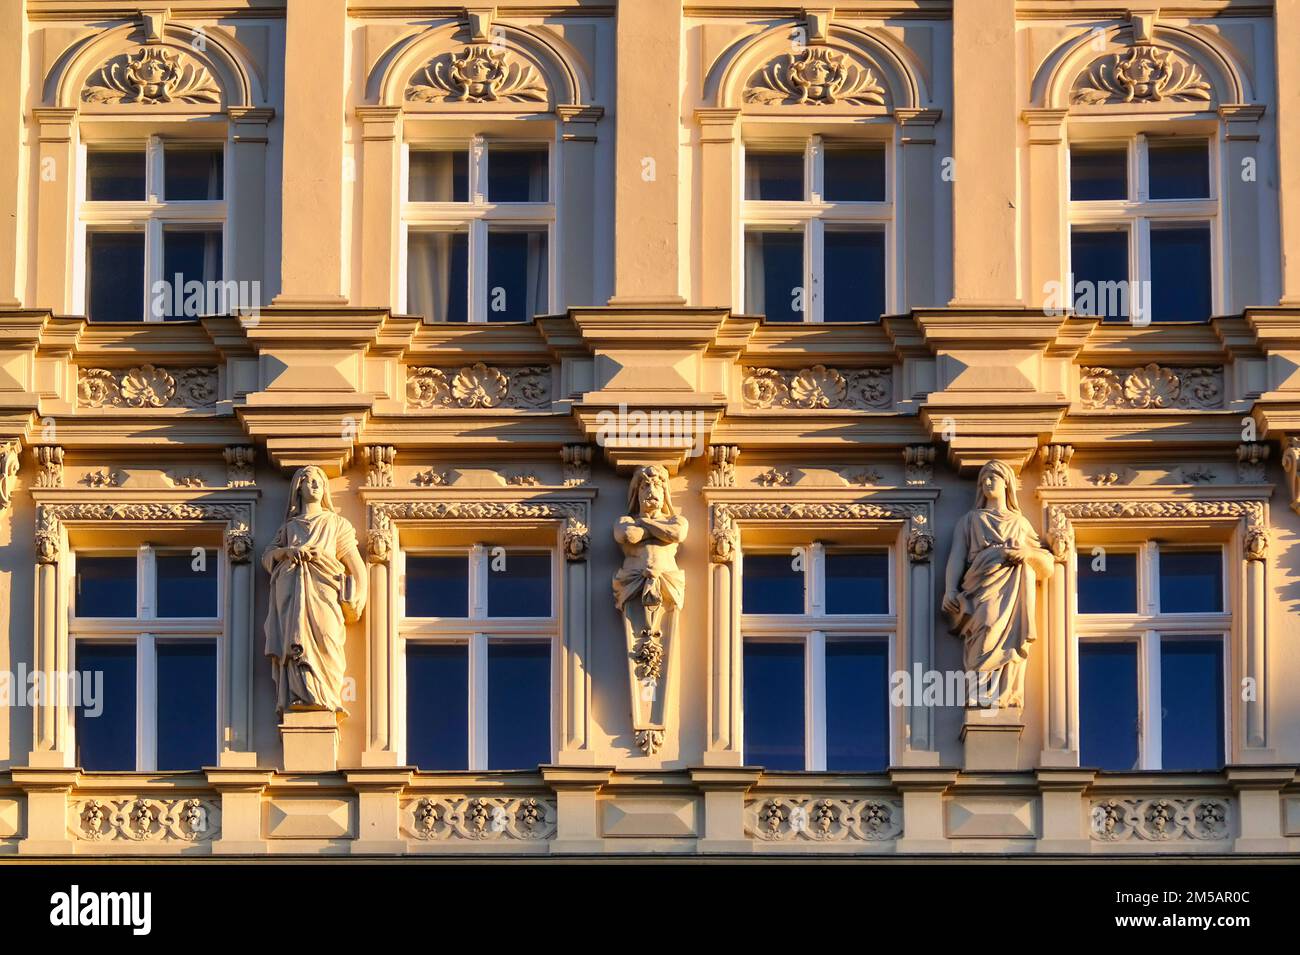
(679,379)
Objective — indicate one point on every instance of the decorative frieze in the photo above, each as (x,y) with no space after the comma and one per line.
(142,819)
(479,386)
(479,818)
(50,517)
(153,75)
(818,388)
(480,73)
(724,536)
(1196,819)
(1151,387)
(1144,73)
(1255,543)
(820,819)
(146,386)
(815,76)
(572,513)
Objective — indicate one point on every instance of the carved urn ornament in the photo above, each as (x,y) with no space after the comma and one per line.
(649,590)
(995,564)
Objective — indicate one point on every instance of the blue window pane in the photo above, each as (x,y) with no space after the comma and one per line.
(519,705)
(105,586)
(115,176)
(770,584)
(774,176)
(1108,705)
(1109,590)
(437,586)
(522,588)
(516,286)
(1099,268)
(1180,274)
(439,176)
(115,276)
(189,256)
(855,173)
(187,583)
(774,717)
(192,174)
(187,704)
(437,706)
(516,175)
(857,705)
(1179,170)
(857,583)
(854,276)
(437,273)
(1191,581)
(774,275)
(106,727)
(1098,174)
(1191,699)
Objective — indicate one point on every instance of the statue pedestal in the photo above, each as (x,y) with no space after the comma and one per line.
(311,741)
(992,738)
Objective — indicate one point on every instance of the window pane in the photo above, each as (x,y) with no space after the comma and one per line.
(857,583)
(521,587)
(187,704)
(1108,705)
(115,276)
(519,704)
(437,706)
(1191,698)
(441,176)
(854,276)
(192,174)
(1191,581)
(115,176)
(1112,588)
(1179,170)
(189,256)
(774,717)
(770,584)
(1180,274)
(106,727)
(437,273)
(1099,267)
(857,705)
(516,175)
(516,275)
(1098,173)
(855,173)
(774,176)
(187,583)
(105,586)
(437,586)
(774,275)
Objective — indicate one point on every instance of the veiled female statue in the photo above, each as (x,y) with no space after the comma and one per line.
(995,561)
(318,585)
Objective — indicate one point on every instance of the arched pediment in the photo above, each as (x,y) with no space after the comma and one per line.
(181,68)
(445,68)
(1135,66)
(852,70)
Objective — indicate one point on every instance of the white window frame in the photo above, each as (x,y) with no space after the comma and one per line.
(1148,627)
(814,628)
(150,216)
(477,216)
(810,217)
(145,630)
(476,631)
(1136,214)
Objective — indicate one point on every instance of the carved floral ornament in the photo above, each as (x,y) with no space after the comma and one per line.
(1144,73)
(816,819)
(814,76)
(1160,820)
(1060,518)
(143,819)
(480,73)
(819,388)
(724,530)
(50,519)
(1151,387)
(573,514)
(146,386)
(479,386)
(152,75)
(481,818)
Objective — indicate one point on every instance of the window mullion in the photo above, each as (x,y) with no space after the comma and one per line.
(815,697)
(814,272)
(1151,702)
(478,702)
(146,689)
(478,271)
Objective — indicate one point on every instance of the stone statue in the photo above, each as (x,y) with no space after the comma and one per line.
(8,471)
(318,585)
(649,590)
(993,567)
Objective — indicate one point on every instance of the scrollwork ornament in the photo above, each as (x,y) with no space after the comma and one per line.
(151,76)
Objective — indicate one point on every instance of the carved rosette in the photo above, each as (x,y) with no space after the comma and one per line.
(480,73)
(153,75)
(818,388)
(1197,819)
(439,818)
(1144,73)
(819,819)
(815,76)
(1151,387)
(479,386)
(143,819)
(147,386)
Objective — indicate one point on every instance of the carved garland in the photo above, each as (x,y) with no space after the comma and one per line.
(153,75)
(147,386)
(238,519)
(1151,387)
(724,534)
(1060,530)
(818,387)
(479,386)
(577,536)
